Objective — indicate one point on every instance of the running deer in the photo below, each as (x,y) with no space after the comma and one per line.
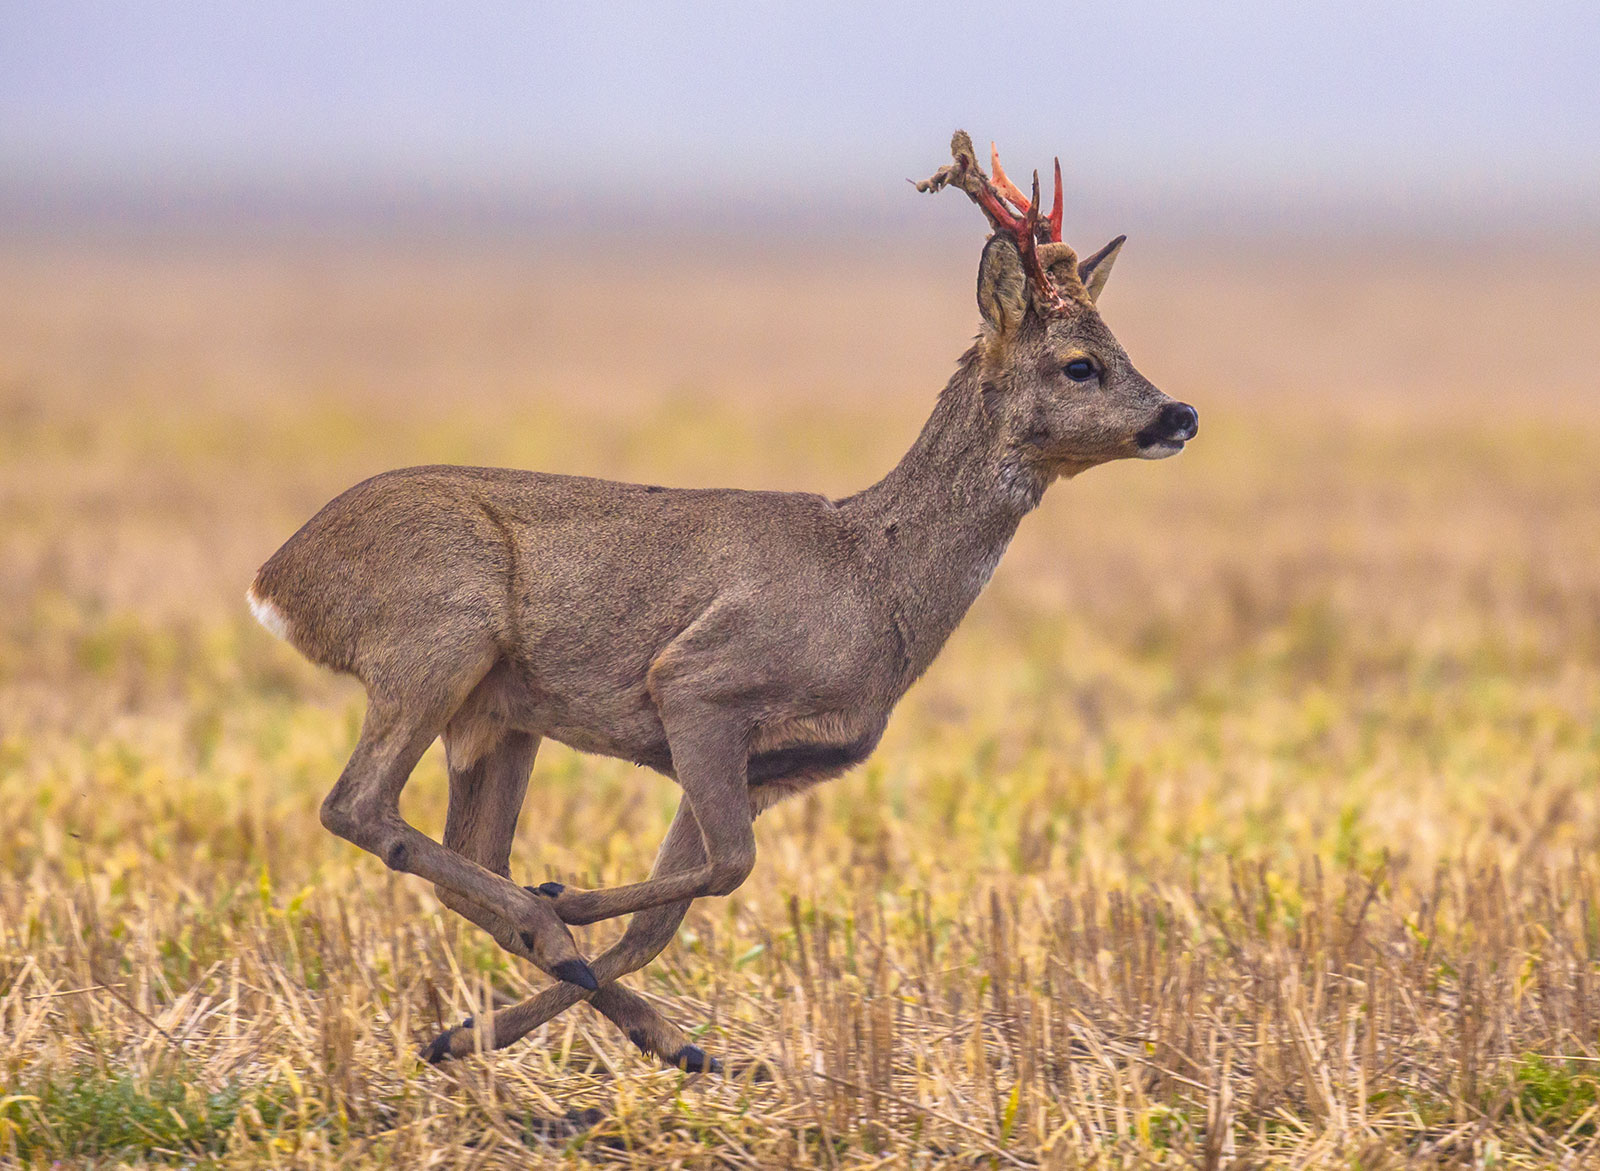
(746,644)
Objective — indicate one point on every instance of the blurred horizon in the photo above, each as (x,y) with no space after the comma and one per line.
(1431,119)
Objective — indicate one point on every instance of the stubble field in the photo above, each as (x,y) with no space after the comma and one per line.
(1250,819)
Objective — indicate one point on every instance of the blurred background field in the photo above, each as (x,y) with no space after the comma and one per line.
(1257,793)
(1249,820)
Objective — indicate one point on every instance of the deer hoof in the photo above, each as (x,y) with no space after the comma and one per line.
(756,1070)
(438,1051)
(576,972)
(550,890)
(570,1124)
(693,1059)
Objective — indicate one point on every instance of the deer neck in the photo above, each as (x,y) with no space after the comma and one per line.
(938,523)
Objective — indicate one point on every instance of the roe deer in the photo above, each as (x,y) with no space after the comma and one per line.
(746,644)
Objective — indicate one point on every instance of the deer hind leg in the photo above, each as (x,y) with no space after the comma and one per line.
(485,798)
(646,936)
(364,808)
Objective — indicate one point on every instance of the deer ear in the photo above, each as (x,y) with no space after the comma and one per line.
(1002,286)
(1095,270)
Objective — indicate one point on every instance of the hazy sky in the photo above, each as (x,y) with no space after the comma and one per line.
(1414,103)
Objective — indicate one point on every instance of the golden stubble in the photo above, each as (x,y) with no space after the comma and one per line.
(1250,816)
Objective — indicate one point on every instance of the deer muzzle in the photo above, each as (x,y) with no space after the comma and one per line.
(1174,425)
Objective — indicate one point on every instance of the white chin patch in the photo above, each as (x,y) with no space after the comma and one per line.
(1160,450)
(267,614)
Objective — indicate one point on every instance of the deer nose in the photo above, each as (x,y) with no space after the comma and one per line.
(1179,421)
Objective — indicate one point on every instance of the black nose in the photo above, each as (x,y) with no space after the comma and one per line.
(1178,421)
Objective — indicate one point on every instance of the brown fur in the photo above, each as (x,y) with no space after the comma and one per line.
(749,644)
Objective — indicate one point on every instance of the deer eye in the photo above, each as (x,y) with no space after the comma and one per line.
(1079,370)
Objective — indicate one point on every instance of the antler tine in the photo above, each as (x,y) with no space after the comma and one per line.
(992,196)
(1028,243)
(1030,216)
(987,197)
(1055,209)
(1002,182)
(1025,231)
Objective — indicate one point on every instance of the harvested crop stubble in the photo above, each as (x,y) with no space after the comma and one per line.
(1251,817)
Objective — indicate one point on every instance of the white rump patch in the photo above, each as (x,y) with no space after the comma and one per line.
(268,614)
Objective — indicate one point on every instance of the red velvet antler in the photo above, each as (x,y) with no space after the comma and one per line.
(1007,210)
(1024,229)
(1009,189)
(1056,208)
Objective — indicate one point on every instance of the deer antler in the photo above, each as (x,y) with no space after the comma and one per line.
(1003,183)
(1023,225)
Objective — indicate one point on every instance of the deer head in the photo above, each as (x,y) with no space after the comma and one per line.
(1061,385)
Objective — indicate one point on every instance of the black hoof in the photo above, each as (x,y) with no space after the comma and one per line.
(574,1122)
(756,1071)
(693,1059)
(549,890)
(437,1051)
(576,972)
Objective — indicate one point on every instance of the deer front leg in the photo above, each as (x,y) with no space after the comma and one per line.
(709,756)
(364,808)
(485,800)
(648,933)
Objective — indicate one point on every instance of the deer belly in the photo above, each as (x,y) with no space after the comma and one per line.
(651,752)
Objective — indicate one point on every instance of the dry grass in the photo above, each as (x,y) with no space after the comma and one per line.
(1250,819)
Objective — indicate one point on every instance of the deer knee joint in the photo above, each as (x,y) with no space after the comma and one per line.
(337,818)
(373,829)
(728,874)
